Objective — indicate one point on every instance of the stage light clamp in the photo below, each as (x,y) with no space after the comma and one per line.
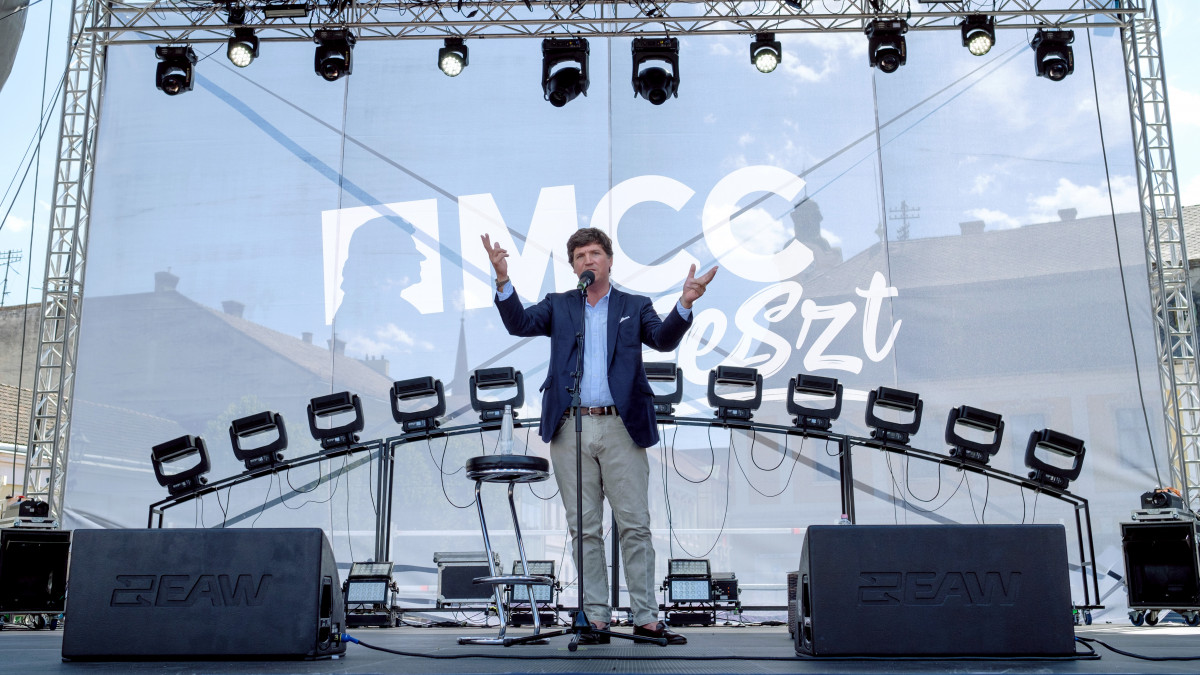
(339,437)
(491,413)
(731,410)
(981,420)
(898,400)
(265,455)
(418,388)
(807,417)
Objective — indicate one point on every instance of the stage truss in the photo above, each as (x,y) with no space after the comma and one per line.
(97,24)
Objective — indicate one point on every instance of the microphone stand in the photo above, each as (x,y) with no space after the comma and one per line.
(581,624)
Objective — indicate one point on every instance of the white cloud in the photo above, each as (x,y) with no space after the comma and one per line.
(982,183)
(1189,193)
(1185,107)
(1087,200)
(997,220)
(810,57)
(16,224)
(834,240)
(710,118)
(745,139)
(719,48)
(760,232)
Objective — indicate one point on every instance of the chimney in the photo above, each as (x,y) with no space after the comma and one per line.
(233,308)
(1067,215)
(165,281)
(336,346)
(971,227)
(307,337)
(379,365)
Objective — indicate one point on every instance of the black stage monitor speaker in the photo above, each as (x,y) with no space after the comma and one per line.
(33,570)
(934,590)
(1162,564)
(202,594)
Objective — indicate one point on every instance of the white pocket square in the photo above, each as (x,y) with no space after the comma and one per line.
(623,318)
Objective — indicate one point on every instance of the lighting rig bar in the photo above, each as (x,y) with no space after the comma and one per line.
(190,22)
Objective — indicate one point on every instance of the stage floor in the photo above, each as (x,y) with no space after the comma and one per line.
(710,651)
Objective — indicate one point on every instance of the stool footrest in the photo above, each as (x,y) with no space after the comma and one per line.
(514,580)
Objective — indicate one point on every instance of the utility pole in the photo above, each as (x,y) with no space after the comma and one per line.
(7,259)
(904,214)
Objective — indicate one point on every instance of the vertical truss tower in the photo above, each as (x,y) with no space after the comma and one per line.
(1166,254)
(66,253)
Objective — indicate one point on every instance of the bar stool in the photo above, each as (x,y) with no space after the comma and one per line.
(510,469)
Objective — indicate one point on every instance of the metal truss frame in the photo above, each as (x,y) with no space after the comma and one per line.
(62,290)
(1166,255)
(98,24)
(172,21)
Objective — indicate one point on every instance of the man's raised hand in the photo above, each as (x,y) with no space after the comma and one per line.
(497,257)
(694,286)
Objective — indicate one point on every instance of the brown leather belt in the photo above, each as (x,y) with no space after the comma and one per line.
(605,410)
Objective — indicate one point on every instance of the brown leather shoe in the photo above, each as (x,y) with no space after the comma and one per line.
(594,638)
(660,631)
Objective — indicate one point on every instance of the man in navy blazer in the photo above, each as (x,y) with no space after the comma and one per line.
(617,411)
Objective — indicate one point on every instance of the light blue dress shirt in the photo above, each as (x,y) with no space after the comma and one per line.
(595,392)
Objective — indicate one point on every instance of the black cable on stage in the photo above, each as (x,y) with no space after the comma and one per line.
(267,497)
(1089,655)
(725,515)
(935,495)
(1131,655)
(791,473)
(442,472)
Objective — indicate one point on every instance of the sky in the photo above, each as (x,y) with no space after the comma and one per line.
(42,54)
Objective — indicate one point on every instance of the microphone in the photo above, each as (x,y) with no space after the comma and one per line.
(586,279)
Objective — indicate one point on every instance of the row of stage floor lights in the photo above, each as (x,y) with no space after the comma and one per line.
(655,60)
(974,435)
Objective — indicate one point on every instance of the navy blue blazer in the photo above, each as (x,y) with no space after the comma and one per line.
(632,322)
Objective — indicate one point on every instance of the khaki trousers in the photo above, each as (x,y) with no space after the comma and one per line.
(614,467)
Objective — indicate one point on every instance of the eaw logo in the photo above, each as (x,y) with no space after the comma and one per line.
(185,590)
(938,588)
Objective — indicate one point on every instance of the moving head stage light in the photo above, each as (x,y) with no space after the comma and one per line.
(416,389)
(665,371)
(886,49)
(174,451)
(265,455)
(654,83)
(175,72)
(816,418)
(496,378)
(328,406)
(333,59)
(730,409)
(1061,448)
(564,69)
(900,401)
(979,420)
(1053,57)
